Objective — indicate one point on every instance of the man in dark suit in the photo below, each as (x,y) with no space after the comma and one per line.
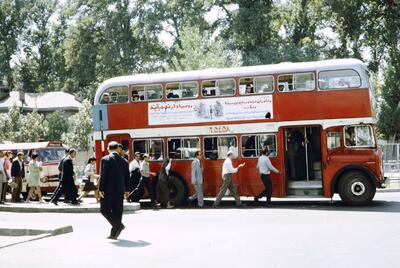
(17,174)
(114,178)
(67,180)
(59,175)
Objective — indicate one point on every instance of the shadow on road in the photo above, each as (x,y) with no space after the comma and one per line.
(130,244)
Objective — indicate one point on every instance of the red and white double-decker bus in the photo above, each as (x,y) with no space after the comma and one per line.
(316,118)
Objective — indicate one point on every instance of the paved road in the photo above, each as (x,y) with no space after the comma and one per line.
(292,234)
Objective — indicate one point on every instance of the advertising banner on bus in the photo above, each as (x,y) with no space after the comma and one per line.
(210,110)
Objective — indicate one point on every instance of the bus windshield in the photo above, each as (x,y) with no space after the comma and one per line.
(50,154)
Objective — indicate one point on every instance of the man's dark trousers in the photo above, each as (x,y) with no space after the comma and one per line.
(266,179)
(112,206)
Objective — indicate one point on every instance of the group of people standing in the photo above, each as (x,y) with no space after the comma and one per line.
(12,175)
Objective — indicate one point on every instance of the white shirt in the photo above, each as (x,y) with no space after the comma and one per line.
(264,165)
(227,167)
(134,165)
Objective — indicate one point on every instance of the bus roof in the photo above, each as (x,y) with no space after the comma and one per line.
(29,145)
(218,73)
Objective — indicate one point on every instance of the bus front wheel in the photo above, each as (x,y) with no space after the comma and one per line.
(356,189)
(176,191)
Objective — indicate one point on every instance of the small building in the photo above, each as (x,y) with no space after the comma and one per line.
(41,102)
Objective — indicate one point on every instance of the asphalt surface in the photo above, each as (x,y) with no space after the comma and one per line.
(312,233)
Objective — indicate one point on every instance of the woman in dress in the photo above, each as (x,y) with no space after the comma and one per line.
(34,178)
(91,179)
(163,190)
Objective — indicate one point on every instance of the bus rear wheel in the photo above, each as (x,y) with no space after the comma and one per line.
(356,189)
(176,191)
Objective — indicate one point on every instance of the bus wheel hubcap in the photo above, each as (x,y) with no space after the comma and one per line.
(358,188)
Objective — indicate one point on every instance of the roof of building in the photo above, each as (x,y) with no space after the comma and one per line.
(42,102)
(220,73)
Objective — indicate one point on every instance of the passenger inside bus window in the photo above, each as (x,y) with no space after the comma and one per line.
(135,96)
(173,91)
(225,87)
(115,95)
(350,136)
(266,141)
(285,83)
(156,150)
(174,148)
(105,99)
(249,146)
(246,86)
(189,90)
(154,92)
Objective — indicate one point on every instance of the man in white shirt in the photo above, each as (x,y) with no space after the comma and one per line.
(265,167)
(227,173)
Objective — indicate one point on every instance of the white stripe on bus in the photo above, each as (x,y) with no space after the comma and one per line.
(230,128)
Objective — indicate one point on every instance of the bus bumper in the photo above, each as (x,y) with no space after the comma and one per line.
(382,182)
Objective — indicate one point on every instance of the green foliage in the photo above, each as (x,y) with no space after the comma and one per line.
(198,50)
(58,125)
(80,127)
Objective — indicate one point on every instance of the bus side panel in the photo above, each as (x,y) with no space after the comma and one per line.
(250,181)
(127,116)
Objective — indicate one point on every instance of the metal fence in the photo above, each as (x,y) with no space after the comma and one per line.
(391,157)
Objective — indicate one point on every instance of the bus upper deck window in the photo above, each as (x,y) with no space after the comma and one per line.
(257,85)
(339,79)
(115,95)
(147,92)
(296,82)
(154,92)
(182,90)
(224,87)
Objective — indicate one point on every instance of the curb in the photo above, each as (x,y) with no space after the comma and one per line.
(40,208)
(30,232)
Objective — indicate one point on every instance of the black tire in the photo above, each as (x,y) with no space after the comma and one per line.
(177,191)
(355,189)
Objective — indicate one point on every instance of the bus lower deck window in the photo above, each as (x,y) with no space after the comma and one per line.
(252,145)
(183,148)
(218,147)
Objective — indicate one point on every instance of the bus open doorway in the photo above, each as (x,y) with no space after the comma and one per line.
(303,158)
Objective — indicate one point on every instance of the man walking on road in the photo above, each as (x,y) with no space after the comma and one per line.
(67,187)
(197,179)
(114,178)
(264,168)
(227,173)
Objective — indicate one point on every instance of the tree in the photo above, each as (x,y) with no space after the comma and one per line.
(199,50)
(11,23)
(58,125)
(35,69)
(80,127)
(389,116)
(251,29)
(33,127)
